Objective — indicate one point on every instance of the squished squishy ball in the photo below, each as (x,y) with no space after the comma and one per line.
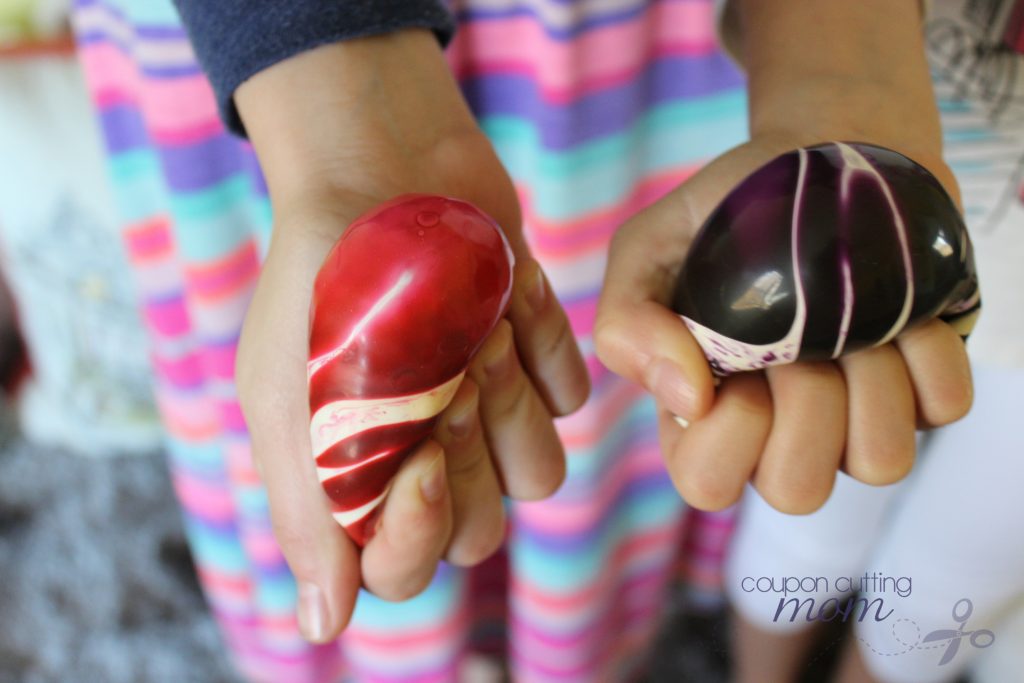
(824,251)
(404,299)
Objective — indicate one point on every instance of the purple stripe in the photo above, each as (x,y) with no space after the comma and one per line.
(160,32)
(146,69)
(201,164)
(225,530)
(156,31)
(607,111)
(596,534)
(618,16)
(259,183)
(123,128)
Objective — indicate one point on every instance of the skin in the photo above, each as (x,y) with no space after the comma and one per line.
(829,70)
(343,127)
(334,141)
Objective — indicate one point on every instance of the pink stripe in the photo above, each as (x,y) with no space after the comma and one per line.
(643,588)
(240,465)
(582,313)
(262,548)
(167,318)
(177,110)
(148,240)
(181,372)
(231,414)
(563,240)
(108,70)
(578,431)
(561,518)
(187,417)
(210,501)
(224,584)
(655,540)
(226,275)
(427,638)
(178,104)
(599,58)
(219,361)
(617,640)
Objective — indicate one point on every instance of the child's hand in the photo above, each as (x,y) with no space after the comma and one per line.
(373,119)
(791,427)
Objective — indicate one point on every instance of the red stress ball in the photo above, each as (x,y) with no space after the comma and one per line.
(404,299)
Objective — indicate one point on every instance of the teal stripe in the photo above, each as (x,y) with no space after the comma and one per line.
(601,173)
(147,12)
(263,216)
(204,460)
(138,185)
(212,222)
(968,134)
(252,501)
(588,464)
(949,106)
(572,571)
(276,593)
(430,608)
(214,549)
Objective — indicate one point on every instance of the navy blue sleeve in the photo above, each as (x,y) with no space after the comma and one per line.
(234,39)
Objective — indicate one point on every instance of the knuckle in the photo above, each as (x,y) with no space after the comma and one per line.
(707,491)
(546,480)
(466,458)
(508,399)
(881,463)
(477,547)
(402,588)
(553,337)
(794,496)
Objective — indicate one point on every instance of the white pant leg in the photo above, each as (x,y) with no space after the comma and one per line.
(813,550)
(958,533)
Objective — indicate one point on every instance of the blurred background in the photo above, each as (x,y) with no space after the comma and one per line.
(96,581)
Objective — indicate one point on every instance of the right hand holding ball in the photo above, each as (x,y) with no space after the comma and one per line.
(823,251)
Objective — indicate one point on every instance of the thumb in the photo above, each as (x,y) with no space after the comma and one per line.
(636,334)
(271,380)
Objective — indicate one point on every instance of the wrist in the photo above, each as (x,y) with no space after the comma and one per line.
(343,117)
(836,70)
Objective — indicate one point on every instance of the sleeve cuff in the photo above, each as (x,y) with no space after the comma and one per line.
(235,39)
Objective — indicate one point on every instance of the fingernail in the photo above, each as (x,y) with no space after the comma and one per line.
(460,423)
(536,292)
(312,612)
(432,481)
(666,381)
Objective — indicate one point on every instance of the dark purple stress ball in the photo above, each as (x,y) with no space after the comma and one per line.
(825,250)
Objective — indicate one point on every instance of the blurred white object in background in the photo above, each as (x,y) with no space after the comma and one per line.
(32,19)
(62,256)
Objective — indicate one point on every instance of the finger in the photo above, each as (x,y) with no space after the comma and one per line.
(414,528)
(936,359)
(546,344)
(711,460)
(519,430)
(478,516)
(880,427)
(798,467)
(270,374)
(636,335)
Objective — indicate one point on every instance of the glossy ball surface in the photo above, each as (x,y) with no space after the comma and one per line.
(400,305)
(823,251)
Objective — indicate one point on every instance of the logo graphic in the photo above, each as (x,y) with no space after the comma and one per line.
(981,638)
